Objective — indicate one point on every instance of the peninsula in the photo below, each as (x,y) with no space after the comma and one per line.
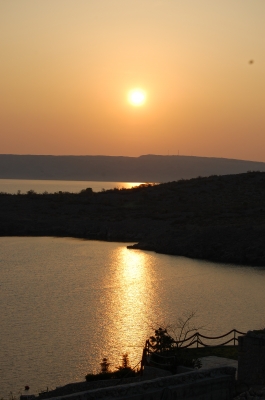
(218,218)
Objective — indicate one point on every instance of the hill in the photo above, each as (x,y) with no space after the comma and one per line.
(219,218)
(146,168)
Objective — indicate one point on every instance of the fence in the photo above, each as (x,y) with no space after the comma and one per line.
(194,340)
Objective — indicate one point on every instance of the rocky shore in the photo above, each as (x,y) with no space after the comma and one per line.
(219,218)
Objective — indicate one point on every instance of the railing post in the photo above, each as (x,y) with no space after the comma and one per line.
(146,351)
(234,337)
(197,340)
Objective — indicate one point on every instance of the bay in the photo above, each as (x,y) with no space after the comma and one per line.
(67,303)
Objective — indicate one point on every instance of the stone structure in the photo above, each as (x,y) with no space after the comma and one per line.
(251,358)
(217,384)
(153,373)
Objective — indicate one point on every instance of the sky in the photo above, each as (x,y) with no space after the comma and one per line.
(67,66)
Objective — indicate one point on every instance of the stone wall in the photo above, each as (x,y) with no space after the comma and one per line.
(251,358)
(217,384)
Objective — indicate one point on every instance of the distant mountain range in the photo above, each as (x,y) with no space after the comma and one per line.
(146,168)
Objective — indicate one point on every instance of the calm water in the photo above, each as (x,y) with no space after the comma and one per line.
(40,186)
(66,303)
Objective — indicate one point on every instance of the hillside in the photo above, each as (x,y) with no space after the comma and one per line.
(147,168)
(219,218)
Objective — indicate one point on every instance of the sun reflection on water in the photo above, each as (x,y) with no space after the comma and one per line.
(133,265)
(130,300)
(90,299)
(129,185)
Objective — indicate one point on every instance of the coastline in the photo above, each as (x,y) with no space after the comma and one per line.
(219,218)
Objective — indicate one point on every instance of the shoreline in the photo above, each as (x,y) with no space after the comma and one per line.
(219,218)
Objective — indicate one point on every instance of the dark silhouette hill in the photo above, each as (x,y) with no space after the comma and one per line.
(219,218)
(147,168)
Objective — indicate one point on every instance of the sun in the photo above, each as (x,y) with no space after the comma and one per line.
(137,97)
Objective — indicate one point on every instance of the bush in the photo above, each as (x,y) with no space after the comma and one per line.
(123,371)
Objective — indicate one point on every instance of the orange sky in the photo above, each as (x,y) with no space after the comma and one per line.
(67,67)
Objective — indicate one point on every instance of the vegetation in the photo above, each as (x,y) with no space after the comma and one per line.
(219,218)
(165,338)
(161,342)
(168,351)
(122,371)
(165,354)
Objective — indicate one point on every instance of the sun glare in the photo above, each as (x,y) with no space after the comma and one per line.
(137,97)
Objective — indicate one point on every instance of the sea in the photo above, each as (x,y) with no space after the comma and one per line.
(67,303)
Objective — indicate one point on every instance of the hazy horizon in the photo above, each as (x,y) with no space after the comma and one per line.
(146,168)
(67,68)
(122,155)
